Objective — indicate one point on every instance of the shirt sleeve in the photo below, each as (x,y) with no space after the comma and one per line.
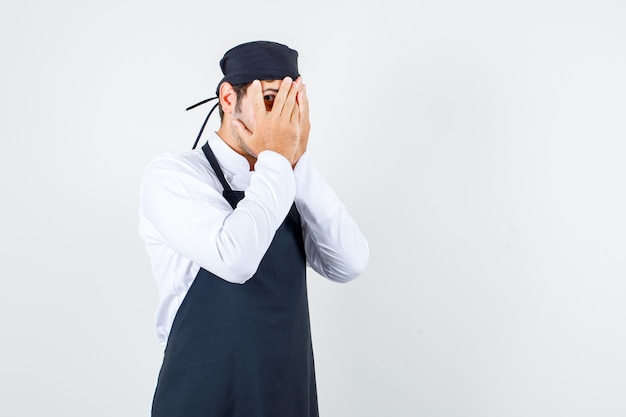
(335,246)
(187,210)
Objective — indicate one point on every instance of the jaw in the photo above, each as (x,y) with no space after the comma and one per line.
(245,151)
(229,135)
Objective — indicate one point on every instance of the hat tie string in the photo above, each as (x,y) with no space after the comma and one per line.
(205,120)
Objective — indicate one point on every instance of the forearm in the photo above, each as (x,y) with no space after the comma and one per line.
(248,231)
(195,220)
(335,246)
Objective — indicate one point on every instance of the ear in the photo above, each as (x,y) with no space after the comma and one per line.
(228,97)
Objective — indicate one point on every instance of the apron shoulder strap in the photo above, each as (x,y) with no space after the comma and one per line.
(208,152)
(233,197)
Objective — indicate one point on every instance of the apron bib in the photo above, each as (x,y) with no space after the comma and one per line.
(243,350)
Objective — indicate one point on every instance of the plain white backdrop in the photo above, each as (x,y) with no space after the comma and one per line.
(480,145)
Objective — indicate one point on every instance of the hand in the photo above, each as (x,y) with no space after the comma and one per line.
(305,124)
(277,130)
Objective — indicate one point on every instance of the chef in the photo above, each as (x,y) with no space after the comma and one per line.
(229,229)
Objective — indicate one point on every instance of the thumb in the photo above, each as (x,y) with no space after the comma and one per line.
(241,129)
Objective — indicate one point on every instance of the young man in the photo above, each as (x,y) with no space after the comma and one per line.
(229,230)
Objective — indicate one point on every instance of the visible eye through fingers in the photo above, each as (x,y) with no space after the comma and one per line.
(268,99)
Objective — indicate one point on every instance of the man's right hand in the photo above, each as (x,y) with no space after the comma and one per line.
(279,129)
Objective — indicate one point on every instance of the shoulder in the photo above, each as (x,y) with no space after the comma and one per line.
(191,162)
(176,171)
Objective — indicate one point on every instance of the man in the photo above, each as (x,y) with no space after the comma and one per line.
(229,230)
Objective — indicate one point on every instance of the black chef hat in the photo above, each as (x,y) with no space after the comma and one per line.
(259,60)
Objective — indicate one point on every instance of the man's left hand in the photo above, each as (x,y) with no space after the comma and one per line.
(303,120)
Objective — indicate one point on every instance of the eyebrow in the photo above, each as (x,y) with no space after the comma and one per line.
(271,90)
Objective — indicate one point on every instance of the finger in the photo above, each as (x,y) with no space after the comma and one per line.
(303,103)
(281,96)
(295,111)
(290,101)
(256,95)
(241,129)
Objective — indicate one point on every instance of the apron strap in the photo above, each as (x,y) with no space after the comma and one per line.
(233,197)
(208,152)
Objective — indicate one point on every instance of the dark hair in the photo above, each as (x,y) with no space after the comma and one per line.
(240,90)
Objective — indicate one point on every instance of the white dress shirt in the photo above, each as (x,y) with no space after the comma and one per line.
(187,224)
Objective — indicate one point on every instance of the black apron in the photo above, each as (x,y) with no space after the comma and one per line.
(243,350)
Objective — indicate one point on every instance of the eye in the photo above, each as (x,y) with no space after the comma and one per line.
(269,101)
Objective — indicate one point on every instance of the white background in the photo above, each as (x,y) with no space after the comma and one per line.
(480,145)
